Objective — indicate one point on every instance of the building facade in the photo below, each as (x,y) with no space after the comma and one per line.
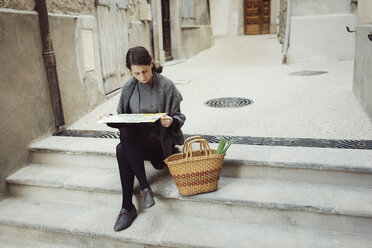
(90,40)
(241,17)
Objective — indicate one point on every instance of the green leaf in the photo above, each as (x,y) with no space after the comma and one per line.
(221,146)
(228,145)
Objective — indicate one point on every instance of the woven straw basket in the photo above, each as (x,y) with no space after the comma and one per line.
(195,172)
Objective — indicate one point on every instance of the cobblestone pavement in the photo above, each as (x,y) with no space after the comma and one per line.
(284,105)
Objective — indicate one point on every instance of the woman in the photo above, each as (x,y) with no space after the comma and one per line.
(146,92)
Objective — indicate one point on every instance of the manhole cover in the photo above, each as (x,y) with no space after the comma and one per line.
(228,102)
(308,73)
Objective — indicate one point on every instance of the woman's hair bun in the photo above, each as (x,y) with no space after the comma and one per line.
(140,56)
(156,67)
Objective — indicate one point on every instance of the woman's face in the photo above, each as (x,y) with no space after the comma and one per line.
(142,73)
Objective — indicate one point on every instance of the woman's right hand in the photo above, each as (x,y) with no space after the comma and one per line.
(103,116)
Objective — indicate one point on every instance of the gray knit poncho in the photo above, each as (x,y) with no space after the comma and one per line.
(168,101)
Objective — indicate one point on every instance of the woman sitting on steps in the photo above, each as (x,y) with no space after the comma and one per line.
(146,92)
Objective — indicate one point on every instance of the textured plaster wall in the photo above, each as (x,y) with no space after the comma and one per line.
(321,7)
(364,12)
(196,40)
(201,13)
(54,6)
(318,30)
(227,17)
(158,31)
(25,106)
(25,100)
(189,40)
(362,85)
(220,17)
(138,31)
(80,91)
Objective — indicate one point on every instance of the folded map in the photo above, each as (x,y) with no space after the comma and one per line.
(131,118)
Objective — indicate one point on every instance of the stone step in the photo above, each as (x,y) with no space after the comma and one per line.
(85,225)
(321,206)
(345,167)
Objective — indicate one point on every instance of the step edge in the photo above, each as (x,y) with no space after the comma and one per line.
(237,162)
(228,202)
(160,242)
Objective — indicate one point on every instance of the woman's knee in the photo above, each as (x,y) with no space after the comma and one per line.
(127,133)
(119,148)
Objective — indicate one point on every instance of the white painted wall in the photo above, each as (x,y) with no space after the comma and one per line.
(220,17)
(321,36)
(362,85)
(318,30)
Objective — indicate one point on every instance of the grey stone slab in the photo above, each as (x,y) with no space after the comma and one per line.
(272,194)
(352,160)
(214,233)
(80,219)
(95,179)
(76,145)
(323,158)
(74,223)
(43,175)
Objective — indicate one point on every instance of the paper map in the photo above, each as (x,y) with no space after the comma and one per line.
(131,118)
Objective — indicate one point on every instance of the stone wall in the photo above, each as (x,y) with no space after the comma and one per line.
(25,105)
(54,6)
(81,87)
(138,30)
(362,85)
(25,101)
(189,40)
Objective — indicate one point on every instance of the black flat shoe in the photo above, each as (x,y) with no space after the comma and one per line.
(147,198)
(125,219)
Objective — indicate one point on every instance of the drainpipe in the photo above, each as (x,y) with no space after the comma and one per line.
(152,32)
(50,64)
(287,28)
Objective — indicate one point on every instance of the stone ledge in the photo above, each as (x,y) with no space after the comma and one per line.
(75,224)
(330,159)
(270,194)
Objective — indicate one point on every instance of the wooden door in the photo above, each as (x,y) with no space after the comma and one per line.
(166,30)
(256,16)
(113,36)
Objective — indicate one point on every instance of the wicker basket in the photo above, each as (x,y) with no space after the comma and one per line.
(195,172)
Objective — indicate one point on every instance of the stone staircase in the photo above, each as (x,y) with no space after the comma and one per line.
(69,196)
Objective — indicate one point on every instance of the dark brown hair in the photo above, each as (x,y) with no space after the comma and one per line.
(140,56)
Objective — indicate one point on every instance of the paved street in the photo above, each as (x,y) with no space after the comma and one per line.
(284,105)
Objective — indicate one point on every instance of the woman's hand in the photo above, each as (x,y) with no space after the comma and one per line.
(103,116)
(166,121)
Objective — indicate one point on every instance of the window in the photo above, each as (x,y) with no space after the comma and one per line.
(188,17)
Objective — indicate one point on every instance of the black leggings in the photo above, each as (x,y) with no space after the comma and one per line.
(131,152)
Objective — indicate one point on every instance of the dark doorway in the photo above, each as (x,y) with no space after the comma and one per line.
(166,30)
(256,16)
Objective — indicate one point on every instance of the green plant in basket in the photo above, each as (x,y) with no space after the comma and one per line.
(223,145)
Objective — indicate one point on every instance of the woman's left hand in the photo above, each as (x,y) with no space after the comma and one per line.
(166,121)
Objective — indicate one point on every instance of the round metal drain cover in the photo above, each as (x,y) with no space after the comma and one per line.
(228,102)
(308,73)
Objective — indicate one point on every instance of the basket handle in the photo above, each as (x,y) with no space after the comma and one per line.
(203,144)
(185,144)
